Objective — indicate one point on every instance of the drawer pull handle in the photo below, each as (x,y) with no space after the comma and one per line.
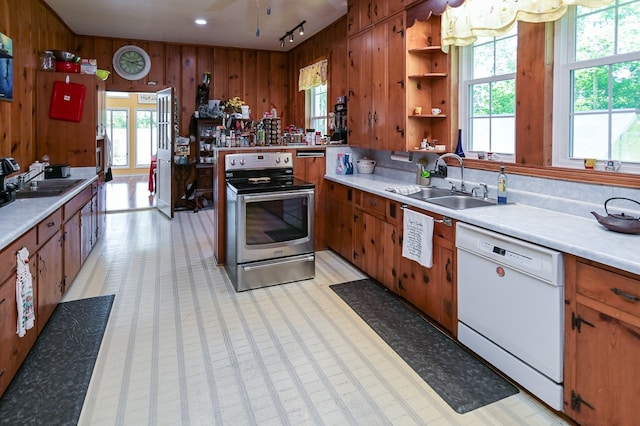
(627,296)
(373,203)
(51,224)
(2,301)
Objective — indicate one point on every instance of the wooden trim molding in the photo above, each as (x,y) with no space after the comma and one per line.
(625,180)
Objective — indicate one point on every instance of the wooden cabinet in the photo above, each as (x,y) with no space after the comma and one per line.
(72,247)
(376,238)
(428,85)
(49,267)
(310,165)
(339,212)
(602,325)
(70,142)
(376,86)
(433,290)
(14,349)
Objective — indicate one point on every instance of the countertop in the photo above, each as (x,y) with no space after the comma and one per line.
(18,217)
(567,233)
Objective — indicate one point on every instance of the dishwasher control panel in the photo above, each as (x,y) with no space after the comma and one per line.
(537,261)
(511,257)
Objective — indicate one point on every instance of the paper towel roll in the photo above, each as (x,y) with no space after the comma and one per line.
(397,157)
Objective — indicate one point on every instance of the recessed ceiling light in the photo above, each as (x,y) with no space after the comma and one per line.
(201,21)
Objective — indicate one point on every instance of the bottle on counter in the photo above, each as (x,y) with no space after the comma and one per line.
(459,150)
(502,186)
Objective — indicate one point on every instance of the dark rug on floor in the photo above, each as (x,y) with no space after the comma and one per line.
(463,381)
(51,385)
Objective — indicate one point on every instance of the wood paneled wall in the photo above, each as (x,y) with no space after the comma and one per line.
(260,78)
(263,79)
(33,28)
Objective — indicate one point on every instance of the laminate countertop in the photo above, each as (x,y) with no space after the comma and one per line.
(21,215)
(567,233)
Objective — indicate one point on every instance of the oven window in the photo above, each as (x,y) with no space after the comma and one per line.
(277,221)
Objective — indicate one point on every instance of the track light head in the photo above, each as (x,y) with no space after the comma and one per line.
(301,30)
(291,38)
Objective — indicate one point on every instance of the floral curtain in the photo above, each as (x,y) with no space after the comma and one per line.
(312,76)
(462,25)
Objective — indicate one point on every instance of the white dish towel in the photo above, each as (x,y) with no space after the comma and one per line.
(24,293)
(417,243)
(404,189)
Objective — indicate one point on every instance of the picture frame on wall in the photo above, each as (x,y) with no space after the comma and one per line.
(147,98)
(6,68)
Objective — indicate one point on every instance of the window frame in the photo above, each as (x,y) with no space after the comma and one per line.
(564,65)
(109,131)
(310,118)
(466,82)
(154,135)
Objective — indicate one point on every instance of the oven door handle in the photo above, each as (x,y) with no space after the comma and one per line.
(280,262)
(281,195)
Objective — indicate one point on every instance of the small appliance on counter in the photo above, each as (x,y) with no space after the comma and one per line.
(7,192)
(339,135)
(55,171)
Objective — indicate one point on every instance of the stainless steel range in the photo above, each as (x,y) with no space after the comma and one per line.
(270,221)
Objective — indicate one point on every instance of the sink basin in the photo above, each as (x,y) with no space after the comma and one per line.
(430,192)
(461,202)
(48,188)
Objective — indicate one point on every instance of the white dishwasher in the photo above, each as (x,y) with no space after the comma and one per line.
(510,308)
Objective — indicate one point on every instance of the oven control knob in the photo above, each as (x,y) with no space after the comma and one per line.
(233,161)
(242,161)
(286,159)
(277,160)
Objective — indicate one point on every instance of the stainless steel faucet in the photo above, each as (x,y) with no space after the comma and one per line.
(485,190)
(22,179)
(457,157)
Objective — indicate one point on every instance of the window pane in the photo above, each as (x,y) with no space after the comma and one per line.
(480,99)
(629,28)
(591,89)
(117,124)
(503,97)
(626,137)
(590,136)
(145,136)
(503,134)
(506,55)
(626,85)
(596,33)
(480,136)
(483,60)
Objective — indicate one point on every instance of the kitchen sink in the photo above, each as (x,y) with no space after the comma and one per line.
(430,192)
(461,202)
(48,188)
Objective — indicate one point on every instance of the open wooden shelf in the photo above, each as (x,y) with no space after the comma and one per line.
(428,75)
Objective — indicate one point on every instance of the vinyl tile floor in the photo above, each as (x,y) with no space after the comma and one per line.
(183,348)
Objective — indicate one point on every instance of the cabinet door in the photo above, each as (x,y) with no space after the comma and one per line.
(101,207)
(87,228)
(72,248)
(312,169)
(50,284)
(379,86)
(339,213)
(359,80)
(395,96)
(391,247)
(13,349)
(353,16)
(607,377)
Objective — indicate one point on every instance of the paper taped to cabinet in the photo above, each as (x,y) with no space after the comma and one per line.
(417,243)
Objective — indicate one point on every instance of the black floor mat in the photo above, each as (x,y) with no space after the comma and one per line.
(463,381)
(52,383)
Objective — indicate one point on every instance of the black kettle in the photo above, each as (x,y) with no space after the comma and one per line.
(619,222)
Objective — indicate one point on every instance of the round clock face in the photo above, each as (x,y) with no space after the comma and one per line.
(131,62)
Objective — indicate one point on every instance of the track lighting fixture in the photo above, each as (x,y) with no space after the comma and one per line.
(299,27)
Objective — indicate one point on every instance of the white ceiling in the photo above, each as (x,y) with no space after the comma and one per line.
(231,23)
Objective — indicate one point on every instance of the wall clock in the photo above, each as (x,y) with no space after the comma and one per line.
(131,62)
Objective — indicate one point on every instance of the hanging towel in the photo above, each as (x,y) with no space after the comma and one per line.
(24,293)
(417,243)
(404,189)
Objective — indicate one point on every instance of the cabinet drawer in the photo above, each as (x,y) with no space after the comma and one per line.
(375,205)
(8,255)
(50,226)
(76,203)
(339,192)
(609,287)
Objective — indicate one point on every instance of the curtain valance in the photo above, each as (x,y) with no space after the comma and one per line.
(312,76)
(463,24)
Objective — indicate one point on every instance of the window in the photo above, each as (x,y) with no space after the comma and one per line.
(488,93)
(118,131)
(597,86)
(146,136)
(317,108)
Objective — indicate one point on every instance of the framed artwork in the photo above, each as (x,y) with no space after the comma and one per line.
(6,68)
(146,98)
